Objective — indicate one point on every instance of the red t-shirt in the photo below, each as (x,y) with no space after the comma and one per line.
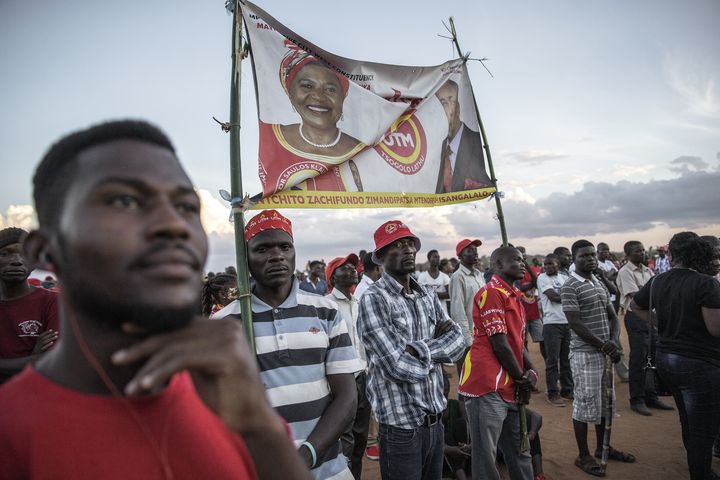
(529,298)
(23,319)
(50,432)
(497,308)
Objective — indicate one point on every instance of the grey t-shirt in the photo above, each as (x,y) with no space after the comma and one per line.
(590,298)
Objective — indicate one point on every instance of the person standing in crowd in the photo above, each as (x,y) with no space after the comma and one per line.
(556,333)
(498,352)
(28,315)
(372,274)
(435,280)
(464,284)
(138,386)
(565,258)
(342,277)
(315,283)
(607,273)
(591,316)
(715,264)
(528,286)
(662,262)
(686,300)
(306,357)
(217,292)
(407,337)
(631,278)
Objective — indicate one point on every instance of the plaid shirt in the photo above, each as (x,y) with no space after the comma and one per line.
(402,389)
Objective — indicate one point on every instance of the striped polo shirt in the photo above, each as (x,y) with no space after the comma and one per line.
(298,344)
(590,298)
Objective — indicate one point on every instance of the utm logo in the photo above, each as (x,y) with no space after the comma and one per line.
(404,146)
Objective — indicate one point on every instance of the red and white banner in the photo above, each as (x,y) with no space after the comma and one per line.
(342,133)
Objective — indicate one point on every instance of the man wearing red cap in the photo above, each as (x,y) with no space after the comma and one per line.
(342,277)
(407,336)
(303,348)
(464,284)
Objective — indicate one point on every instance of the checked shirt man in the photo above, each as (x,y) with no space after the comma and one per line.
(407,338)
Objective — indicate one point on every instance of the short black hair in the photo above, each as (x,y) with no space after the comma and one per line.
(580,244)
(368,264)
(560,250)
(501,252)
(629,244)
(552,256)
(58,168)
(711,239)
(603,244)
(315,262)
(431,252)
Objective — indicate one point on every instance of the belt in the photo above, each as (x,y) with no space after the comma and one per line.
(431,419)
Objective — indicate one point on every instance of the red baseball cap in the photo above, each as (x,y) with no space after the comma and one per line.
(335,263)
(466,243)
(390,231)
(267,220)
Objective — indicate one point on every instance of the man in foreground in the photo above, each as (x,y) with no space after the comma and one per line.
(137,387)
(407,338)
(303,348)
(498,375)
(590,314)
(28,315)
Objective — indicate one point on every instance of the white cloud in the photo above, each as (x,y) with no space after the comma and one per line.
(695,81)
(21,216)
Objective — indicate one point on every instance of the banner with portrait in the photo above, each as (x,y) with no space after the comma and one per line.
(342,133)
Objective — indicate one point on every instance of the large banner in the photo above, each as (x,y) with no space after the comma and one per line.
(342,133)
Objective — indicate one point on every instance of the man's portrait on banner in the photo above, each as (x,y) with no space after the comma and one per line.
(292,153)
(462,165)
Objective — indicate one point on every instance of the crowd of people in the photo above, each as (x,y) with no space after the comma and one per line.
(130,361)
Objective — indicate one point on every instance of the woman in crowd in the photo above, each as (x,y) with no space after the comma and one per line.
(686,301)
(218,291)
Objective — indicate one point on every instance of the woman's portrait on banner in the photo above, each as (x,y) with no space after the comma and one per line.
(292,153)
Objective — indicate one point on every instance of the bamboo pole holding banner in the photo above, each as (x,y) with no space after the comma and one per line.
(498,205)
(236,190)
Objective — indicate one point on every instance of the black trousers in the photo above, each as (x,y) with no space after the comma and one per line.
(638,331)
(354,438)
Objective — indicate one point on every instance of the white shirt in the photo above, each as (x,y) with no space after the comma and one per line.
(464,284)
(439,285)
(348,308)
(365,282)
(454,145)
(552,312)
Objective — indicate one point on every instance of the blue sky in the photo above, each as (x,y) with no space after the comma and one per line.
(603,117)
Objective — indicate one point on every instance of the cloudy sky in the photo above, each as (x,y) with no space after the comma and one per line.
(603,118)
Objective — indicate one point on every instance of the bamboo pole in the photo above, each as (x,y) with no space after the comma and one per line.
(498,205)
(236,177)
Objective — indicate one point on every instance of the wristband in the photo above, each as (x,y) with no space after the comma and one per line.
(313,454)
(533,372)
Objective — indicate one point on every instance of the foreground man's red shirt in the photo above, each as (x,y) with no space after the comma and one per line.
(50,432)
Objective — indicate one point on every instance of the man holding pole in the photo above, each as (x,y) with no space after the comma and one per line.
(592,319)
(303,348)
(497,375)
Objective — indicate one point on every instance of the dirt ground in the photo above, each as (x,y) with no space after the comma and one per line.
(655,440)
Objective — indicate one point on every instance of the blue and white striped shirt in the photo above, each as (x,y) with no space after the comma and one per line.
(298,344)
(402,389)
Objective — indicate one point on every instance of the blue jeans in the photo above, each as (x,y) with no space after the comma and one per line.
(495,423)
(411,454)
(695,385)
(557,349)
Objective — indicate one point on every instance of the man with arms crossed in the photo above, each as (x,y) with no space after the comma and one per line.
(556,333)
(407,338)
(137,387)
